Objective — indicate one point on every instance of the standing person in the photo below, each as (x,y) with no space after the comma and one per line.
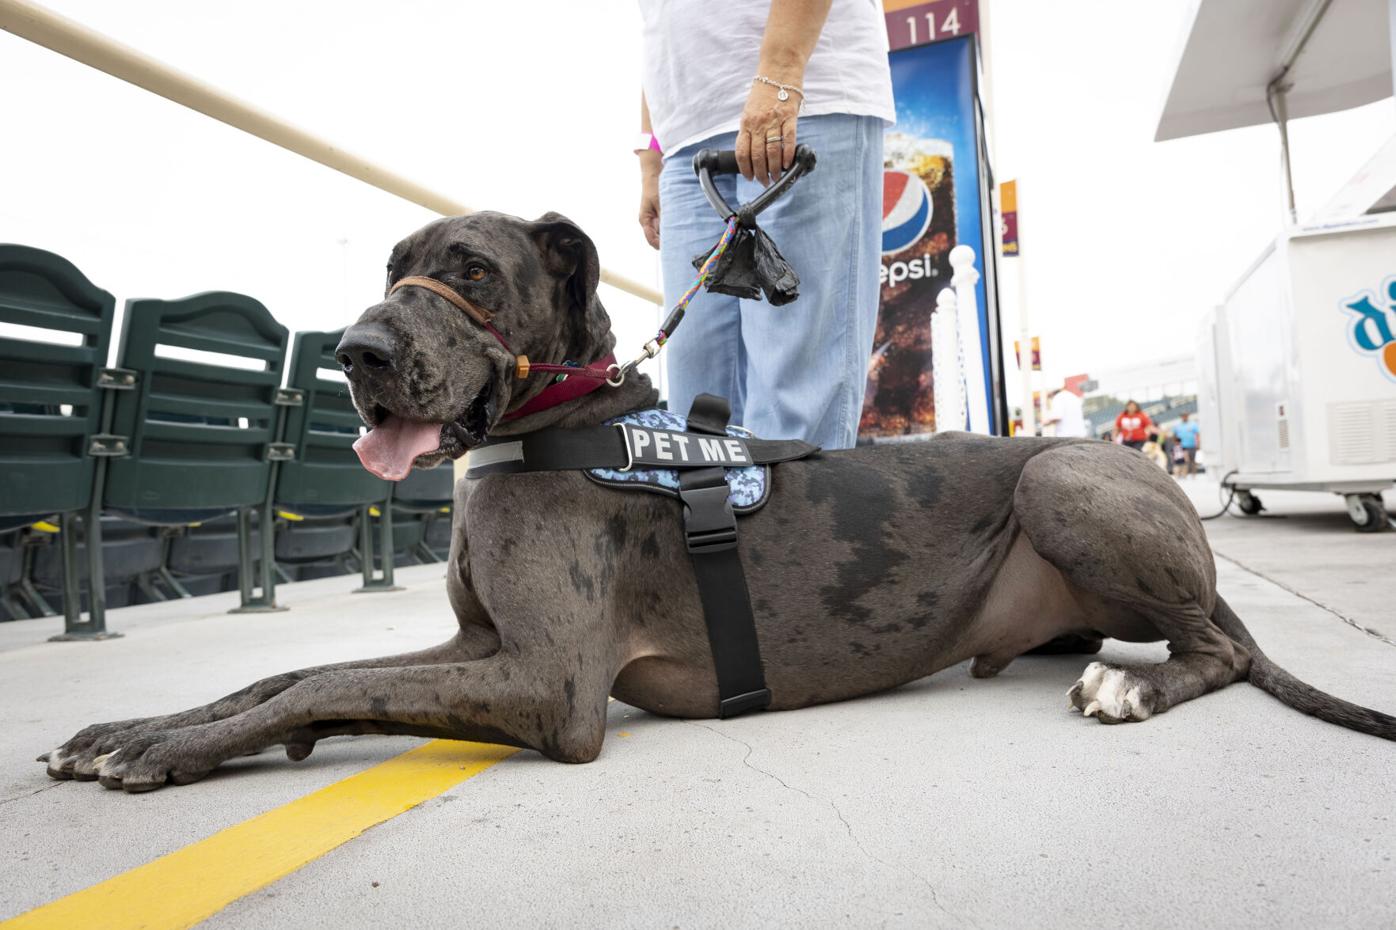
(1064,414)
(760,77)
(1174,451)
(1189,436)
(1133,426)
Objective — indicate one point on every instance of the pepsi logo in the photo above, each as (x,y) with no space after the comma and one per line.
(906,210)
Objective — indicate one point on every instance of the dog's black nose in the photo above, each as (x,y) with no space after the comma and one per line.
(366,348)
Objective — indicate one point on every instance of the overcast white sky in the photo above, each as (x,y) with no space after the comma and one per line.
(530,107)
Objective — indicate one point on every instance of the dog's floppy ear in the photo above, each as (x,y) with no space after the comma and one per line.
(569,251)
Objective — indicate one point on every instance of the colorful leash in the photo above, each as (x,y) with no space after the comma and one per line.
(671,322)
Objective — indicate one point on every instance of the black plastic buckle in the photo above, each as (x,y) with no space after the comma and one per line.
(709,525)
(741,703)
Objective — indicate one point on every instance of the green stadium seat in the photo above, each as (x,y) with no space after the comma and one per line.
(324,492)
(325,474)
(52,409)
(201,427)
(132,554)
(205,557)
(422,506)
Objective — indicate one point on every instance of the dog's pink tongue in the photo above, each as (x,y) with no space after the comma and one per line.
(388,449)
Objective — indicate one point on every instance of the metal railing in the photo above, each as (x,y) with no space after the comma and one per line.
(74,40)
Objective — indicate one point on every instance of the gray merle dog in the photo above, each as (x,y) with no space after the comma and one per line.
(870,568)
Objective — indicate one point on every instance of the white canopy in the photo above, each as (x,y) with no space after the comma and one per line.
(1235,48)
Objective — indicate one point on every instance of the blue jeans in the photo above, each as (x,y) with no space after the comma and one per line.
(797,371)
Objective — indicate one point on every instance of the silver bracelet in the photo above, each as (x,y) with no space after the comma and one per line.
(784,89)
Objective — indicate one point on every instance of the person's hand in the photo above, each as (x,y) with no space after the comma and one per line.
(766,134)
(650,165)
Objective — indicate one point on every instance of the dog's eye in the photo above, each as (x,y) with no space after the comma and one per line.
(476,272)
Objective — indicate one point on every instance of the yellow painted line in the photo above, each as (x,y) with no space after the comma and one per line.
(196,882)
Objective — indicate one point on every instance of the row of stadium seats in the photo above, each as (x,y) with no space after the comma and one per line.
(176,460)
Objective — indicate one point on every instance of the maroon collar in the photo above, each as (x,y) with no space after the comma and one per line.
(571,388)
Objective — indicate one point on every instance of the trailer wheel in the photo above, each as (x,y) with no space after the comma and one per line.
(1368,513)
(1250,504)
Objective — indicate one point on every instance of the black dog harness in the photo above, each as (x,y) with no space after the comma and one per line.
(701,455)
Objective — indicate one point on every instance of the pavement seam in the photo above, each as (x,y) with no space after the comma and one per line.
(1301,595)
(746,760)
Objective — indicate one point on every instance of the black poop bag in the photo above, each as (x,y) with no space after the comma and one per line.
(752,266)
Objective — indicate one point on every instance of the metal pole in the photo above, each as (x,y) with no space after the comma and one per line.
(387,543)
(986,93)
(986,86)
(1391,25)
(95,627)
(1277,96)
(1275,91)
(74,40)
(1030,427)
(1025,354)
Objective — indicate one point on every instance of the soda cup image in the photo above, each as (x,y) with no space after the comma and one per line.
(918,232)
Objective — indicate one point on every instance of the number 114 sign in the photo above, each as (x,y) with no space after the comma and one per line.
(918,22)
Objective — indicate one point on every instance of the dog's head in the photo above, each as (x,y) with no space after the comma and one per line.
(428,379)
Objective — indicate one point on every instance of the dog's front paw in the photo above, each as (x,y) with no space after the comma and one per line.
(76,758)
(1112,695)
(148,761)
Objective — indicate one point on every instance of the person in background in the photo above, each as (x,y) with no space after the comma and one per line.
(1133,426)
(1064,414)
(1154,452)
(1189,436)
(760,77)
(1174,452)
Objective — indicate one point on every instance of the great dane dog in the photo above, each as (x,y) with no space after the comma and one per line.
(870,568)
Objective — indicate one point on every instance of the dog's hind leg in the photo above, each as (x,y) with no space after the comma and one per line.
(1118,528)
(1119,693)
(76,757)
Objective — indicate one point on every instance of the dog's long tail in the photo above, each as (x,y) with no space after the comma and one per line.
(1269,677)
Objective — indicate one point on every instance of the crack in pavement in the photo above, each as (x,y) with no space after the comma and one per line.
(1375,634)
(746,760)
(30,794)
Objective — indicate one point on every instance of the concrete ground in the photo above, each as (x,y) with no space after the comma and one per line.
(948,803)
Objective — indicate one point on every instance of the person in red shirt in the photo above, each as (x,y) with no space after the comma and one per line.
(1133,426)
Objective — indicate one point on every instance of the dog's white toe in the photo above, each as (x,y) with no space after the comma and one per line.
(1110,694)
(1118,696)
(1090,678)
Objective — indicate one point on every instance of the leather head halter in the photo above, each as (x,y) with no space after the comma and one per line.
(482,317)
(588,378)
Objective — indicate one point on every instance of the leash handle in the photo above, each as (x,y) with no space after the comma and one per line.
(714,161)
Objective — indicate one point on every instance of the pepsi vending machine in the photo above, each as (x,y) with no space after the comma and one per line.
(936,185)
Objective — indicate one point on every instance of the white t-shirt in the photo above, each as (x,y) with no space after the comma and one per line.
(1066,408)
(700,58)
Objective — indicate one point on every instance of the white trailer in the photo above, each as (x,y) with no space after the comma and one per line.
(1298,365)
(1298,369)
